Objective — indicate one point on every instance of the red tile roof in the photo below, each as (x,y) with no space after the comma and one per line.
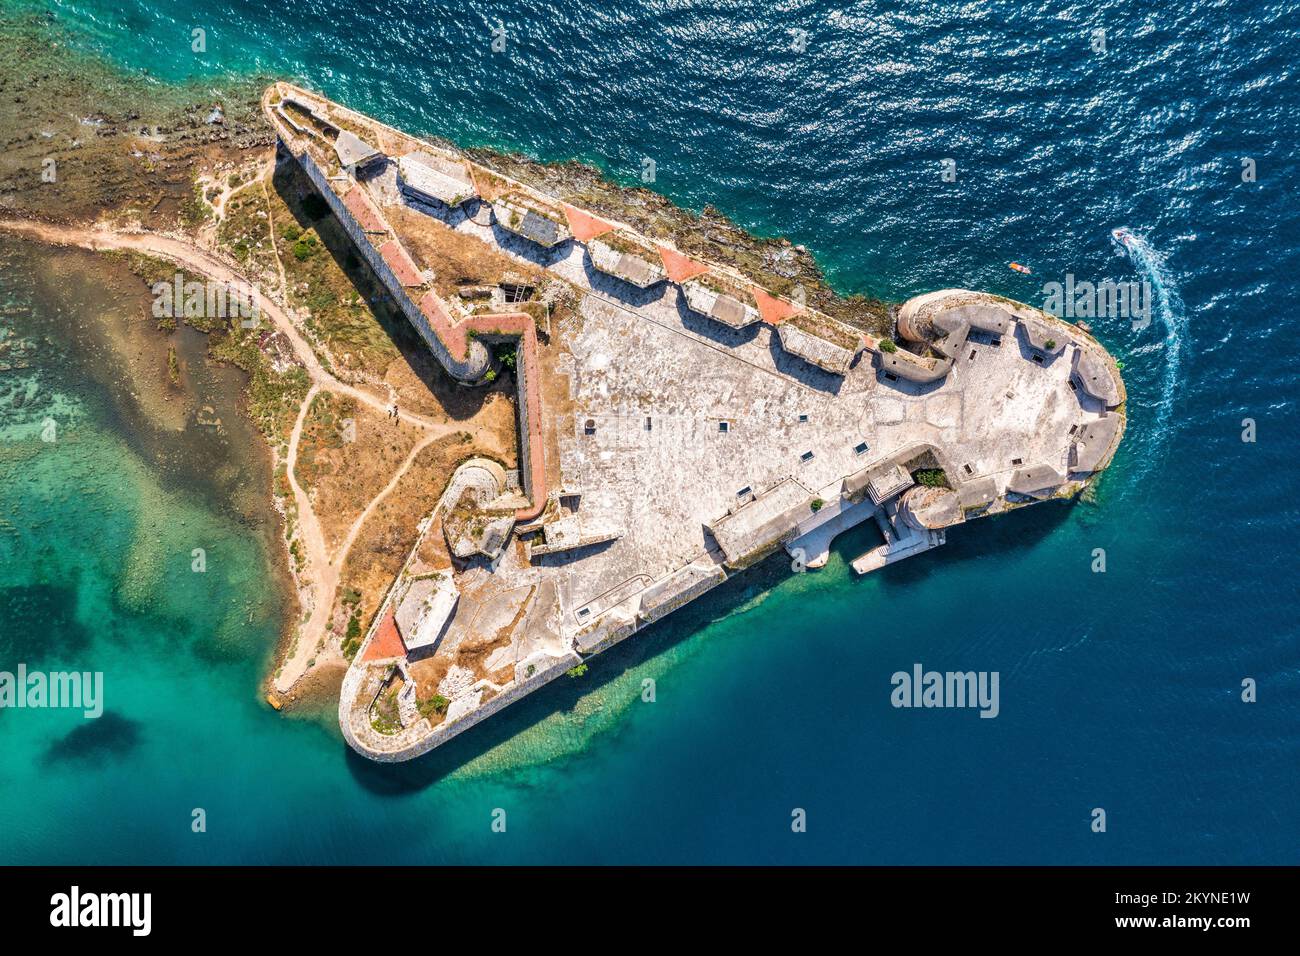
(386,642)
(680,267)
(450,334)
(584,225)
(400,261)
(363,210)
(773,310)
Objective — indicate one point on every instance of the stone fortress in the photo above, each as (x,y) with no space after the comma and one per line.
(681,424)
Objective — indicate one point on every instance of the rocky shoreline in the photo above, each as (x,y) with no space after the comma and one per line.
(131,155)
(126,146)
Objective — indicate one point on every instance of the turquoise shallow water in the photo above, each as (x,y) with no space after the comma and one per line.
(1118,690)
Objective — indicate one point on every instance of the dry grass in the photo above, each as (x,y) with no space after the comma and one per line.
(456,259)
(472,652)
(433,554)
(557,404)
(347,307)
(346,474)
(388,535)
(245,230)
(831,331)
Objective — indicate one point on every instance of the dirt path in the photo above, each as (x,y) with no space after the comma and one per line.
(341,555)
(322,570)
(275,247)
(200,260)
(324,575)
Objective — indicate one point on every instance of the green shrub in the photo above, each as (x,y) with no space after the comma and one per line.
(887,345)
(817,504)
(195,209)
(577,671)
(930,477)
(437,704)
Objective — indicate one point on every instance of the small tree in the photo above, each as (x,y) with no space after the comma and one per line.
(437,704)
(887,345)
(304,248)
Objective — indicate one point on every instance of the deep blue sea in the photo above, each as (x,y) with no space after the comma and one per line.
(827,123)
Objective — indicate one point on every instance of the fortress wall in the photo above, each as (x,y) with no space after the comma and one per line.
(682,587)
(689,582)
(613,628)
(522,371)
(370,742)
(476,362)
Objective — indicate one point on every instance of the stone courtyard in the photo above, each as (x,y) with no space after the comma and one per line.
(673,449)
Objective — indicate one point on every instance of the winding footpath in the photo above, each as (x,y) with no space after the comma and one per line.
(322,569)
(193,257)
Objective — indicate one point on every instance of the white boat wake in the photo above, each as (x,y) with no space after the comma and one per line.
(1166,332)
